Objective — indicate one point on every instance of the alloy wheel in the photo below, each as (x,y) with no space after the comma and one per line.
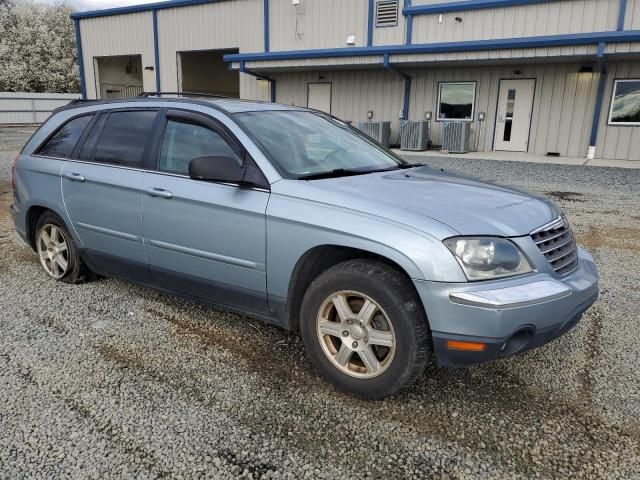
(53,251)
(356,334)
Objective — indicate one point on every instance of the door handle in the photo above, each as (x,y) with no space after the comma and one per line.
(158,192)
(74,177)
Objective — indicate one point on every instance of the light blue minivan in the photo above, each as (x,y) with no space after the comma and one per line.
(292,216)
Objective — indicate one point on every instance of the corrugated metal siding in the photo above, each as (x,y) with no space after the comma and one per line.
(632,17)
(550,18)
(353,93)
(229,24)
(616,142)
(317,24)
(130,34)
(562,109)
(497,55)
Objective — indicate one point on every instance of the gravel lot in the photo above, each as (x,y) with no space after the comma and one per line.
(108,379)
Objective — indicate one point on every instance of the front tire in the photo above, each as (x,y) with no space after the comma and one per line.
(364,328)
(58,253)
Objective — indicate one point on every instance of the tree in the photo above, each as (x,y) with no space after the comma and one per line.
(37,48)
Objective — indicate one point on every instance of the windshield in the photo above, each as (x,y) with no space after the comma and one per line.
(308,145)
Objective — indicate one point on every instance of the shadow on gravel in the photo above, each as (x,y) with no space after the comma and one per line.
(566,196)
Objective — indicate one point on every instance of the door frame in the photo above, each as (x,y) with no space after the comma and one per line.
(330,93)
(495,117)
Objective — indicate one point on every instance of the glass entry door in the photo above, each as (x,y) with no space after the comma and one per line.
(515,102)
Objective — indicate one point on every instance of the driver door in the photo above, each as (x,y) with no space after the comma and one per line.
(203,239)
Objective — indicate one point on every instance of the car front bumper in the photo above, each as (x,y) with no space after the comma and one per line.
(479,321)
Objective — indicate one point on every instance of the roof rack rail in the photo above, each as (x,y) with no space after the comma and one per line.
(180,94)
(84,100)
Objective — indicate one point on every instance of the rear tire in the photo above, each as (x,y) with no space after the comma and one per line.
(57,251)
(364,328)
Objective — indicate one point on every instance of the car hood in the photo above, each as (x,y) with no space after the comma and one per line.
(466,205)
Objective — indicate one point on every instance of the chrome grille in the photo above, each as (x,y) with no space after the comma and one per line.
(557,243)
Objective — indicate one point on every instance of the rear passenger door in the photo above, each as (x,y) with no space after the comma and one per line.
(204,239)
(101,186)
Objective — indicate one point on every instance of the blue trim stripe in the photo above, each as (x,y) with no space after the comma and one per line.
(466,5)
(140,8)
(370,23)
(83,87)
(265,11)
(564,40)
(156,50)
(621,14)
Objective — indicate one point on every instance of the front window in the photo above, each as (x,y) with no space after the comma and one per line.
(625,105)
(456,101)
(304,144)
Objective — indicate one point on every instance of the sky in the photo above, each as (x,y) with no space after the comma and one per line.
(82,5)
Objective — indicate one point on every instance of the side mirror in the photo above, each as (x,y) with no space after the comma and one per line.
(216,169)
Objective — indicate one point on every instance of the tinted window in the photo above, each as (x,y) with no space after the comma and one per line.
(86,153)
(123,138)
(62,143)
(184,141)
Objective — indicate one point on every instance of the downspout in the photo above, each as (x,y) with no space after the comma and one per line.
(272,82)
(83,88)
(409,20)
(156,50)
(597,112)
(370,24)
(407,86)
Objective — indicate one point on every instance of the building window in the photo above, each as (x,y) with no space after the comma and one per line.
(456,101)
(625,104)
(386,13)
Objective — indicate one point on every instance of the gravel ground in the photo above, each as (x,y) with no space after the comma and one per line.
(108,379)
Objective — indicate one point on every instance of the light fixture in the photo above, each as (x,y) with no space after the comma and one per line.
(586,69)
(351,40)
(428,115)
(459,19)
(370,114)
(481,116)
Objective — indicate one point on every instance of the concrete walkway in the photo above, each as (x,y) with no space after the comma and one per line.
(527,157)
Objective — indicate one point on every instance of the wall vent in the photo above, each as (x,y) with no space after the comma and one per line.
(386,13)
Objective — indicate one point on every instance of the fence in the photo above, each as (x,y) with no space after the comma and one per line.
(22,108)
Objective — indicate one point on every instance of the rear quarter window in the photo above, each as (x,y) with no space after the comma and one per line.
(61,144)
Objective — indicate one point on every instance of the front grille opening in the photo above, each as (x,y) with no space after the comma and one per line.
(558,245)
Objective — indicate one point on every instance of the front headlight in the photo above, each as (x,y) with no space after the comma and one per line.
(482,258)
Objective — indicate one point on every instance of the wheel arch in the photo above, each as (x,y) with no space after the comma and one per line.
(34,212)
(317,260)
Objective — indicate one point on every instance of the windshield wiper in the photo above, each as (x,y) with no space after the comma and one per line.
(336,172)
(411,165)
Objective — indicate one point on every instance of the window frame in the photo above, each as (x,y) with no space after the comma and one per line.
(88,126)
(146,151)
(473,101)
(612,100)
(204,120)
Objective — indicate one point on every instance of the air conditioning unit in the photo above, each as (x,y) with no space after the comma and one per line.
(379,131)
(414,136)
(455,136)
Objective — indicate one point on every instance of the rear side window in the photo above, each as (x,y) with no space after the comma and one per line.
(61,144)
(184,141)
(123,138)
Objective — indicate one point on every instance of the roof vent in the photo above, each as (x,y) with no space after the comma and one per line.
(386,13)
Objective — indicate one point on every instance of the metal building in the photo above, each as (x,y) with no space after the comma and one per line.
(539,76)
